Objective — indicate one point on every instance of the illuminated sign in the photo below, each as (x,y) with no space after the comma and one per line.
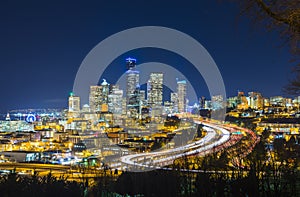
(237,133)
(30,118)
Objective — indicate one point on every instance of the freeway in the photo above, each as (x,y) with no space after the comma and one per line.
(34,166)
(31,168)
(216,136)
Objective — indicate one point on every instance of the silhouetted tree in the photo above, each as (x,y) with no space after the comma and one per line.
(30,186)
(280,15)
(283,16)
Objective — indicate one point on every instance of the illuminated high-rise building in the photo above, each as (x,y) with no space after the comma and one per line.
(242,102)
(132,88)
(202,102)
(174,101)
(181,93)
(155,89)
(217,102)
(255,100)
(132,78)
(143,97)
(168,107)
(232,102)
(99,96)
(130,63)
(208,104)
(95,92)
(115,100)
(74,103)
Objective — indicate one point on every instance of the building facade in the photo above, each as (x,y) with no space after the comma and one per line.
(74,103)
(155,89)
(132,88)
(99,96)
(181,93)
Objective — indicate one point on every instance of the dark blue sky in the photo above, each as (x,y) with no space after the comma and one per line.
(42,44)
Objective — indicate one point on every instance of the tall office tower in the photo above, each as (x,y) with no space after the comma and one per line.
(202,102)
(208,104)
(132,88)
(232,102)
(74,103)
(217,102)
(155,94)
(99,97)
(124,106)
(143,97)
(242,102)
(130,63)
(155,89)
(255,100)
(181,91)
(168,107)
(174,101)
(113,87)
(115,100)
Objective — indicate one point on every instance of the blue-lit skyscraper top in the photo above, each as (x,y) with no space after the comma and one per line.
(130,63)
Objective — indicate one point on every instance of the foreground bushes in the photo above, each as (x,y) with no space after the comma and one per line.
(34,186)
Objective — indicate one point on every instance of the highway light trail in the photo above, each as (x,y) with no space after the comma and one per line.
(215,136)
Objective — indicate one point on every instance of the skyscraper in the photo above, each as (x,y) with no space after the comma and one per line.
(202,102)
(155,89)
(143,97)
(181,93)
(217,102)
(130,63)
(255,100)
(74,103)
(115,100)
(242,102)
(174,101)
(132,87)
(99,96)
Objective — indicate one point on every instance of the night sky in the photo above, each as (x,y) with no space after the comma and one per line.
(42,44)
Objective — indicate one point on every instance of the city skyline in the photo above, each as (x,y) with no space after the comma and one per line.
(39,64)
(154,95)
(149,98)
(113,99)
(103,97)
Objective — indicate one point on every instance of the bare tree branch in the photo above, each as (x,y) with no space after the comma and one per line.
(282,16)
